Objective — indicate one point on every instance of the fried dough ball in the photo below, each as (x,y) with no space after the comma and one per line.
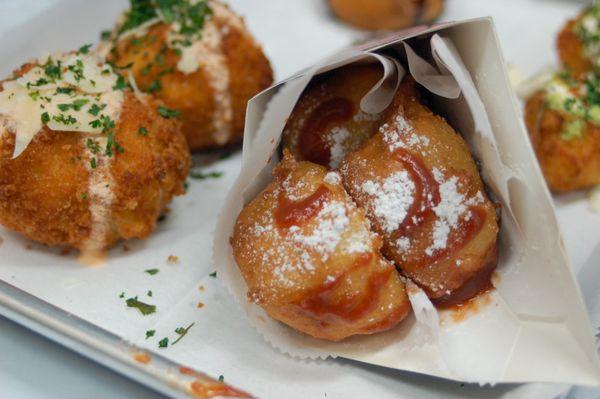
(66,189)
(386,14)
(421,189)
(563,121)
(578,43)
(208,75)
(310,260)
(327,122)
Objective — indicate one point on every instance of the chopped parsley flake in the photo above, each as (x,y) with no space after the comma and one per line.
(64,119)
(167,113)
(213,274)
(182,332)
(121,83)
(150,333)
(152,272)
(84,49)
(144,308)
(221,378)
(93,163)
(122,295)
(105,34)
(143,131)
(149,293)
(45,118)
(204,176)
(163,343)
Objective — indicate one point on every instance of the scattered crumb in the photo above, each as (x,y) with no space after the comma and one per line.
(1,241)
(200,305)
(142,357)
(173,259)
(126,248)
(65,251)
(28,246)
(201,288)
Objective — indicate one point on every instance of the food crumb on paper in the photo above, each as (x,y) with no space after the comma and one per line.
(142,357)
(173,259)
(200,305)
(201,288)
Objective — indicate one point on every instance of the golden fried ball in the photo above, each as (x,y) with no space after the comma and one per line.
(386,14)
(571,49)
(46,195)
(422,191)
(212,99)
(327,122)
(310,260)
(568,161)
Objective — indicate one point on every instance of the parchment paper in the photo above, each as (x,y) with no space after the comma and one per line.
(534,327)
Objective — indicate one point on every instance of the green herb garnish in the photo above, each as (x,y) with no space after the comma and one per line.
(144,308)
(150,333)
(167,113)
(163,343)
(182,332)
(152,272)
(203,176)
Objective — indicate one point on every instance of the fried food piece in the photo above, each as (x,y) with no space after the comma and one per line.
(386,14)
(420,188)
(87,189)
(310,260)
(578,43)
(208,74)
(327,122)
(563,121)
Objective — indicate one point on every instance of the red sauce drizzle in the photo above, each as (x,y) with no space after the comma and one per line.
(427,196)
(311,141)
(320,303)
(427,191)
(293,213)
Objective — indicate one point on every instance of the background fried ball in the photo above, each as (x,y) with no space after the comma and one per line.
(327,122)
(44,192)
(457,274)
(386,14)
(332,294)
(154,67)
(571,51)
(567,164)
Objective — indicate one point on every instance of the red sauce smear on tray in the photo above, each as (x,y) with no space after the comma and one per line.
(321,303)
(311,141)
(293,213)
(202,390)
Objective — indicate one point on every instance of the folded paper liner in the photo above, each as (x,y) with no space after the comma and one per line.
(533,326)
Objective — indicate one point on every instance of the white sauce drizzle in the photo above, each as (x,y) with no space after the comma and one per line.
(100,197)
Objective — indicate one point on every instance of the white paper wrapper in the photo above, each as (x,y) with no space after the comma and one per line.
(533,326)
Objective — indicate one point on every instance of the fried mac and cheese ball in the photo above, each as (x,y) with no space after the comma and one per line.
(421,189)
(327,122)
(310,260)
(386,14)
(563,120)
(199,59)
(578,43)
(82,162)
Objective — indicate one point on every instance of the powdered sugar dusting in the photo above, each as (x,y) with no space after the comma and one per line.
(337,139)
(391,200)
(332,220)
(332,178)
(401,134)
(452,207)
